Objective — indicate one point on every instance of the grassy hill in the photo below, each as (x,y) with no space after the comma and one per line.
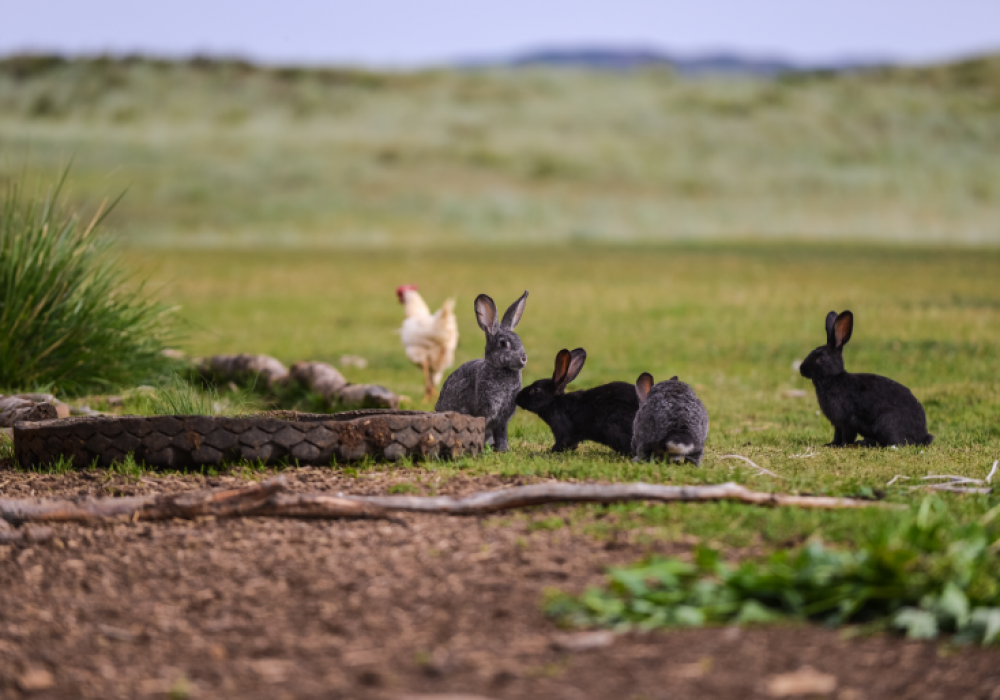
(226,153)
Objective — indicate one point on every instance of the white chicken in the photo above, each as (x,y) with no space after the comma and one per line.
(430,339)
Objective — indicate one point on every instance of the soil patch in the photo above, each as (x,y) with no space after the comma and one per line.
(267,608)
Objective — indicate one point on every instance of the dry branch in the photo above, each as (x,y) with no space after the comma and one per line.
(270,499)
(18,408)
(541,494)
(953,483)
(318,377)
(264,498)
(244,368)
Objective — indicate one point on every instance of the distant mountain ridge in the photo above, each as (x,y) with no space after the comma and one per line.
(715,63)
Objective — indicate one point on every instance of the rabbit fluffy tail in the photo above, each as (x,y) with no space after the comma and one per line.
(927,440)
(680,446)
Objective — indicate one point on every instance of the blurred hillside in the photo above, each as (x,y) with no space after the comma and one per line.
(225,153)
(708,64)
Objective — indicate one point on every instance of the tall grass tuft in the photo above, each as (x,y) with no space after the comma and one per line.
(6,449)
(176,396)
(71,319)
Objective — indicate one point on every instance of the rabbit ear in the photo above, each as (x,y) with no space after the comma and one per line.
(577,358)
(830,318)
(562,366)
(842,328)
(642,386)
(513,314)
(486,314)
(673,378)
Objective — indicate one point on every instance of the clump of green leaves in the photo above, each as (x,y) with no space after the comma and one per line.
(924,576)
(69,316)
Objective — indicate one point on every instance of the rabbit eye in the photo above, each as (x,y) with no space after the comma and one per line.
(504,344)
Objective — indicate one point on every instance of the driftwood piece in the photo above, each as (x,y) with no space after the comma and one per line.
(320,378)
(541,494)
(328,382)
(264,498)
(368,395)
(16,408)
(269,498)
(62,409)
(244,368)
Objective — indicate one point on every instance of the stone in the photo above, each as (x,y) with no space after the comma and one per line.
(206,455)
(394,452)
(288,437)
(305,452)
(34,679)
(154,442)
(221,439)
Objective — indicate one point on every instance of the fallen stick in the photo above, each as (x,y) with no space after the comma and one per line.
(319,505)
(265,498)
(956,489)
(270,499)
(542,494)
(953,483)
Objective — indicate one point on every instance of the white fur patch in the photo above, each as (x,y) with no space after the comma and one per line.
(676,448)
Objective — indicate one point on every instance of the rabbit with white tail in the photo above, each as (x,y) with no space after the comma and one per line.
(883,411)
(671,422)
(603,414)
(487,388)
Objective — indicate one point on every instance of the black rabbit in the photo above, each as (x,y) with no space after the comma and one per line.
(671,422)
(883,411)
(603,414)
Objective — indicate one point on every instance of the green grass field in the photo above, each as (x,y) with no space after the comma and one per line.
(695,228)
(729,320)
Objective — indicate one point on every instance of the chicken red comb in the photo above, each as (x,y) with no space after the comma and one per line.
(403,288)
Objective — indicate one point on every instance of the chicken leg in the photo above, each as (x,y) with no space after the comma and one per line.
(428,382)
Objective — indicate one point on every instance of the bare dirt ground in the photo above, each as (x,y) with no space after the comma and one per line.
(435,608)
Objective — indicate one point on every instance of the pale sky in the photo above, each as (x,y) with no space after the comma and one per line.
(411,33)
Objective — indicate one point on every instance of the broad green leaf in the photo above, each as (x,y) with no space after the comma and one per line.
(919,624)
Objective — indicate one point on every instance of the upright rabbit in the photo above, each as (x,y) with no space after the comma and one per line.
(603,414)
(671,421)
(884,411)
(487,388)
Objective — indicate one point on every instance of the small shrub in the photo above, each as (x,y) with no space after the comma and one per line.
(70,319)
(923,576)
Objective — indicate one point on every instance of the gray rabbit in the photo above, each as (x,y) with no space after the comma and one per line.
(671,422)
(488,388)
